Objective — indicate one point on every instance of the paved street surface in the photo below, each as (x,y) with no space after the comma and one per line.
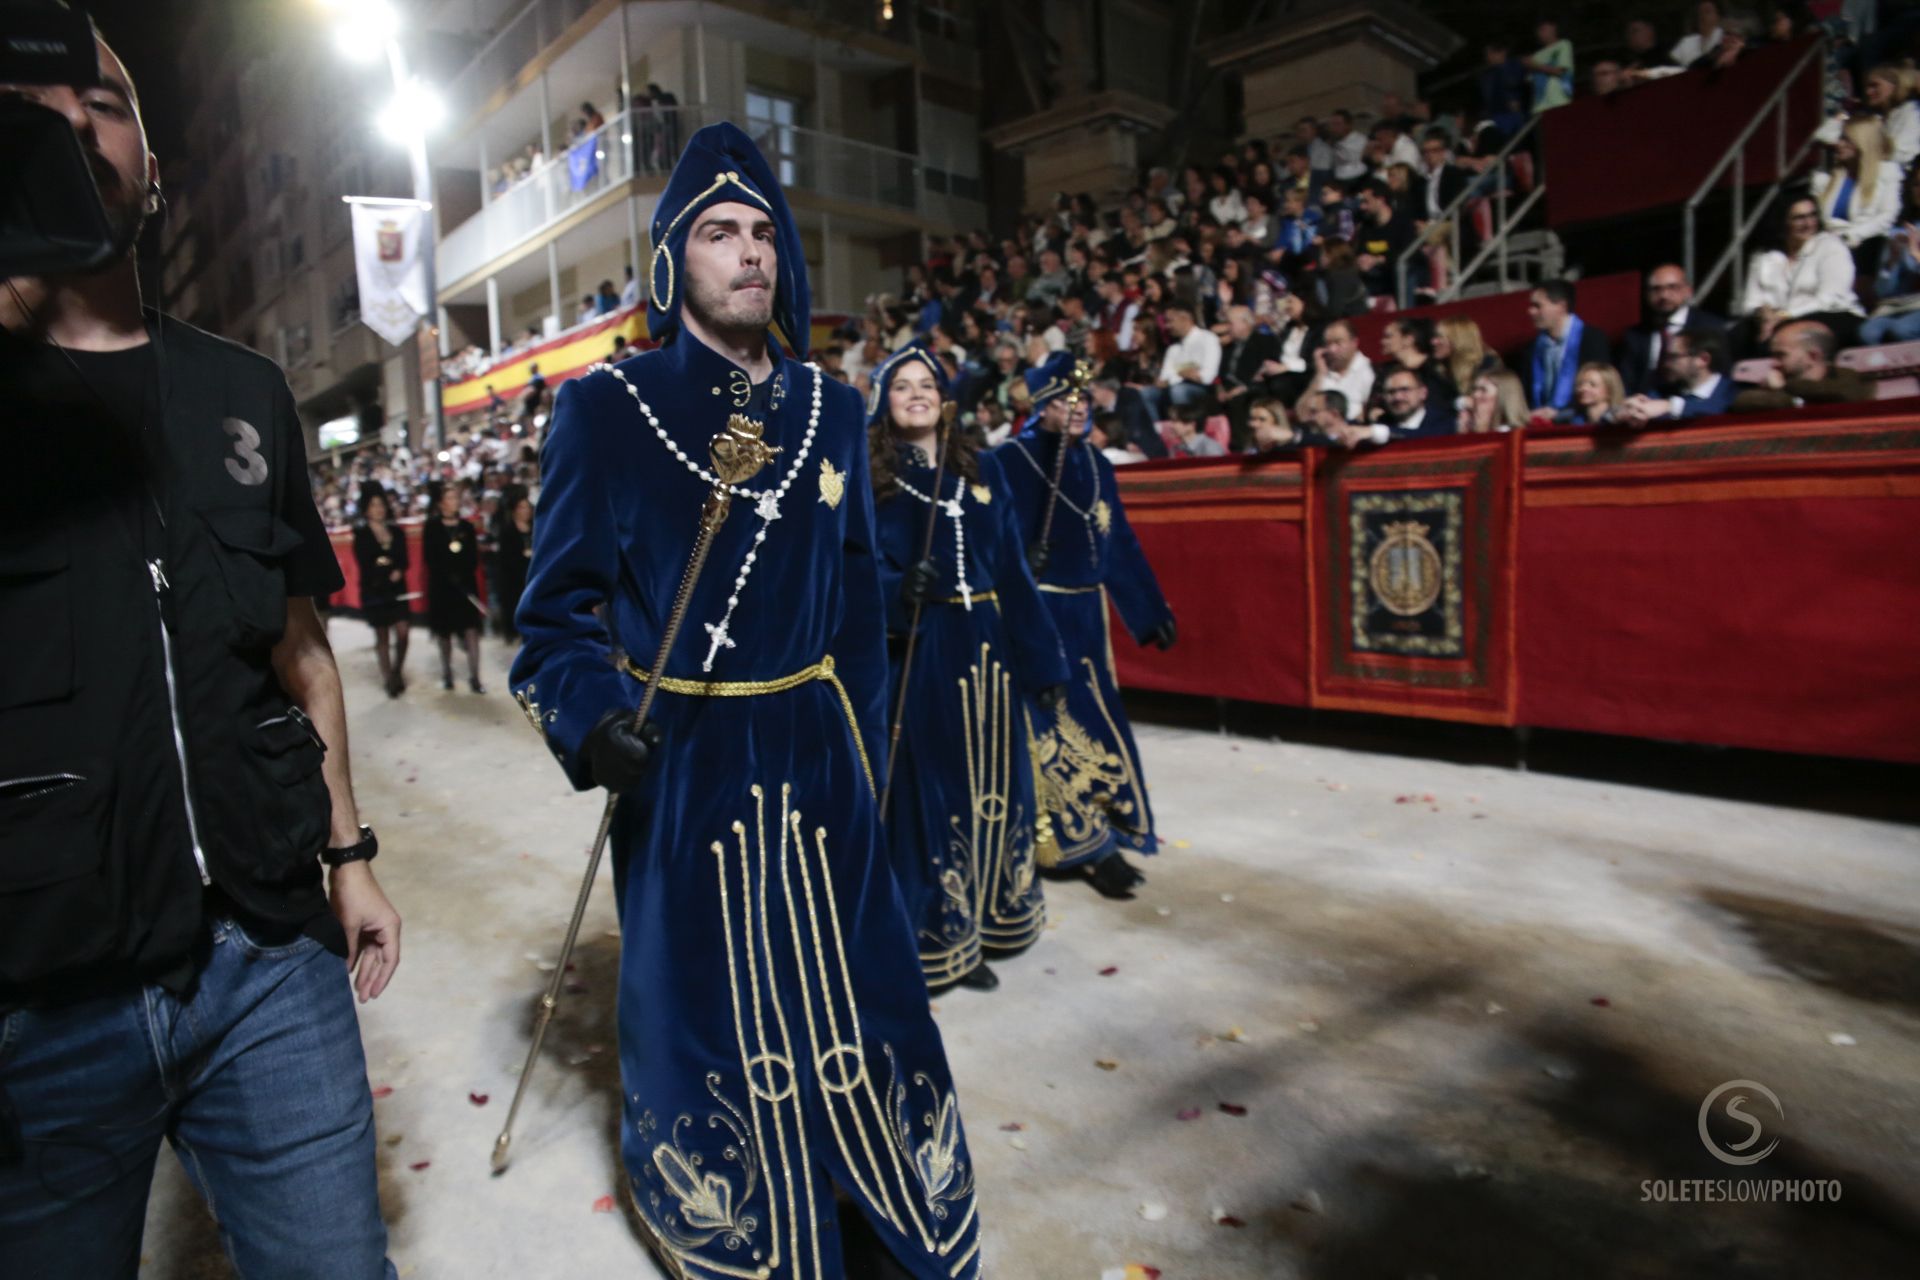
(1374,1016)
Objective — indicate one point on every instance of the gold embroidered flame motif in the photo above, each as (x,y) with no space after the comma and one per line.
(833,483)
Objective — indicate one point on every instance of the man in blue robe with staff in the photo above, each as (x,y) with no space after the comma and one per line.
(787,1109)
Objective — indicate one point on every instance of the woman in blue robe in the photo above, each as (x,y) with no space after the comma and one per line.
(777,1055)
(1089,769)
(963,827)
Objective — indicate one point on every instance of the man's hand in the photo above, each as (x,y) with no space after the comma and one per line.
(1270,369)
(372,927)
(1775,379)
(617,753)
(1191,372)
(1352,434)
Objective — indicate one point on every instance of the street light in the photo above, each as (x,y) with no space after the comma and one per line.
(365,30)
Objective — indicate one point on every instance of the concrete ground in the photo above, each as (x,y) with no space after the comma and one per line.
(1374,1016)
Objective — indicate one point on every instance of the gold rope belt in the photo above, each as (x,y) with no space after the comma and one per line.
(821,670)
(1068,591)
(992,597)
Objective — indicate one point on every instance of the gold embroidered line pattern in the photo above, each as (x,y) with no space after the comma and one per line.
(660,248)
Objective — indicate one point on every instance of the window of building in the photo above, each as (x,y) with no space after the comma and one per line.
(773,121)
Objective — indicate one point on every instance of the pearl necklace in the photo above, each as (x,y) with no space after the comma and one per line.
(955,511)
(1085,513)
(766,502)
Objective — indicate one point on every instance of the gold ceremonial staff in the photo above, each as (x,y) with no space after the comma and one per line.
(738,453)
(913,628)
(1082,375)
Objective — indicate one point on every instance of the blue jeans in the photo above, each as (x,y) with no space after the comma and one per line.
(1904,327)
(258,1081)
(1159,399)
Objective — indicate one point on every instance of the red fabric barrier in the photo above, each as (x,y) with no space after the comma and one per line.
(1611,301)
(1598,161)
(1224,536)
(1745,583)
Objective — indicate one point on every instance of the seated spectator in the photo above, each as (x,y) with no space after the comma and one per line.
(1272,431)
(1565,342)
(606,301)
(1339,365)
(1408,414)
(1407,343)
(630,291)
(1247,351)
(1889,93)
(1338,219)
(1645,59)
(1297,229)
(1224,201)
(1495,402)
(1551,67)
(1325,416)
(1133,420)
(1668,309)
(1804,373)
(1300,176)
(1296,338)
(1191,362)
(1810,277)
(1382,237)
(1053,281)
(1697,365)
(1258,225)
(1462,352)
(1598,397)
(621,348)
(1345,148)
(1706,35)
(1188,440)
(1503,89)
(1394,146)
(588,309)
(1442,181)
(1104,435)
(1897,286)
(1606,78)
(1860,196)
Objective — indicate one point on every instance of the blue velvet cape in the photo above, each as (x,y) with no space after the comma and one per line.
(964,830)
(1089,770)
(775,1038)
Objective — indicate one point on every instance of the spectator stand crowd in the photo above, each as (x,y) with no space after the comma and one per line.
(1218,303)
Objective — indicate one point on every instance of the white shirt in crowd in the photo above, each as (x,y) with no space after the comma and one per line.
(1403,151)
(1864,219)
(1228,209)
(1356,384)
(1054,338)
(630,292)
(1350,156)
(1818,278)
(1691,46)
(1293,348)
(1903,131)
(1124,335)
(1200,348)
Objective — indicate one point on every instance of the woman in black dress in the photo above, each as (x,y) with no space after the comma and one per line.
(513,552)
(451,548)
(380,549)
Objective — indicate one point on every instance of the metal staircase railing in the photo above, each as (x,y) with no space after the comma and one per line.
(1774,108)
(1507,218)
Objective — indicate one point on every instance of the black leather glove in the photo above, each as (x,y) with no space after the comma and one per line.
(919,583)
(1037,559)
(1163,636)
(617,753)
(1051,697)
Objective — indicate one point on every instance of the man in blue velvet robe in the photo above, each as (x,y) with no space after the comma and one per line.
(776,1047)
(1088,767)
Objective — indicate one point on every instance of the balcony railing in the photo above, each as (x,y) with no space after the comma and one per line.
(648,142)
(518,43)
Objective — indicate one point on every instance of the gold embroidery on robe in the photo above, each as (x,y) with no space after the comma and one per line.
(833,484)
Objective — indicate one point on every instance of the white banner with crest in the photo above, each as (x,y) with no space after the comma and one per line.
(387,253)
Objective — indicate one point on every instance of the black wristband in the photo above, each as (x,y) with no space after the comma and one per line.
(364,850)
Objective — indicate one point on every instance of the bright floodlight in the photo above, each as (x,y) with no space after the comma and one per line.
(414,112)
(363,27)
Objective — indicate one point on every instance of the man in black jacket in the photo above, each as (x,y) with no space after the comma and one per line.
(173,771)
(1248,347)
(1669,309)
